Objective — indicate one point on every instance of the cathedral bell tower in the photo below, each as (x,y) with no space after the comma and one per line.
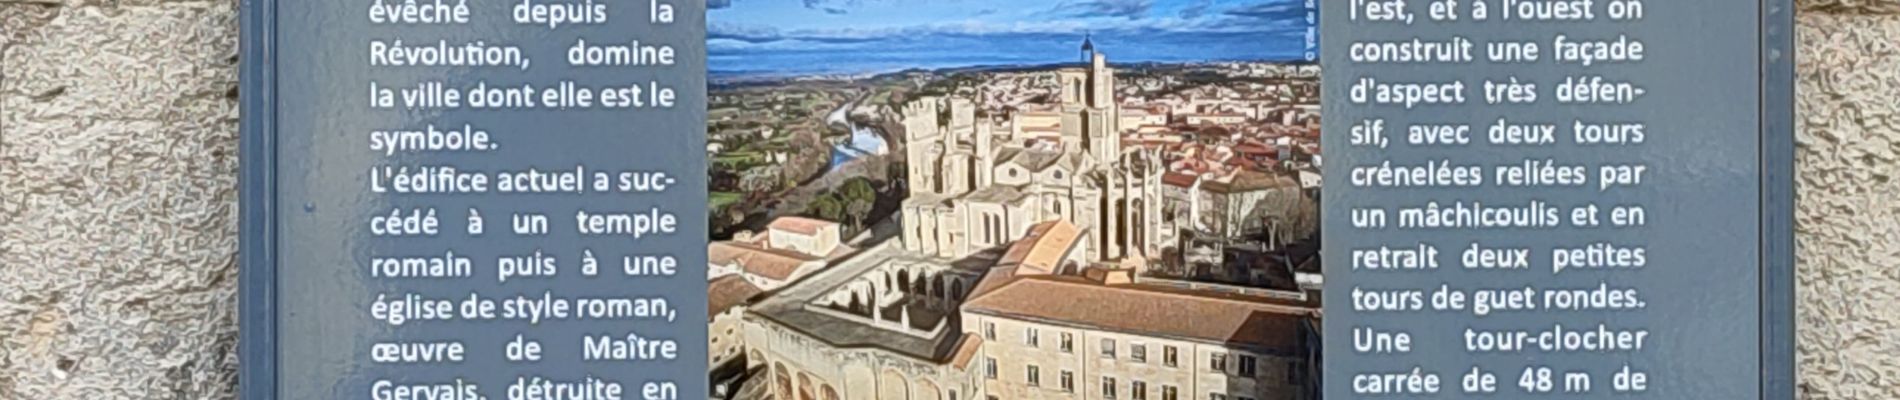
(1090,116)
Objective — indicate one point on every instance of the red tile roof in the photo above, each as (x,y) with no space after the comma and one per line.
(770,263)
(728,291)
(1044,248)
(1177,179)
(994,279)
(966,351)
(801,225)
(1145,310)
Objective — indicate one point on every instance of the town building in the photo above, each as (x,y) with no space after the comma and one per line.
(804,235)
(726,303)
(879,325)
(1247,203)
(790,248)
(1035,320)
(1091,337)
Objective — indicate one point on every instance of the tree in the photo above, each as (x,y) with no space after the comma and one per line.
(857,210)
(859,189)
(859,198)
(760,180)
(826,207)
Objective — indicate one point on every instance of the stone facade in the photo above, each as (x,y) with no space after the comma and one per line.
(724,340)
(1081,363)
(975,185)
(1847,224)
(1038,322)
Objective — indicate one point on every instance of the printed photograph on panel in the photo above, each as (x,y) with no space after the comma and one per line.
(1014,199)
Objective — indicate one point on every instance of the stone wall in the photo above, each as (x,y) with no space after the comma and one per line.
(118,166)
(118,209)
(1848,213)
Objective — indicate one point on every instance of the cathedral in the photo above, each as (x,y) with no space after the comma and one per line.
(979,181)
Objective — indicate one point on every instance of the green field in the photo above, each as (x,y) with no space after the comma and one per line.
(718,200)
(739,158)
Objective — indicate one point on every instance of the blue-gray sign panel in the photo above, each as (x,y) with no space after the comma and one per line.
(313,112)
(1701,287)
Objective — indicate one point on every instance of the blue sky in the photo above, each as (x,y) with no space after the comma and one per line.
(814,36)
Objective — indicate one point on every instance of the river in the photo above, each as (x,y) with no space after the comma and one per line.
(864,140)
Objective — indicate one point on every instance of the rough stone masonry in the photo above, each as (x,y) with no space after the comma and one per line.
(118,204)
(118,209)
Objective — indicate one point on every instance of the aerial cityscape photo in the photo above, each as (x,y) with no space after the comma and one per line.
(1008,199)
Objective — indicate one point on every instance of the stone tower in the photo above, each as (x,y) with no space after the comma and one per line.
(1090,116)
(925,147)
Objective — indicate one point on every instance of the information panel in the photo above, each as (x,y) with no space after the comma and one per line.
(475,200)
(1544,198)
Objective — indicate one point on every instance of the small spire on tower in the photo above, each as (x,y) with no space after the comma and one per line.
(1088,47)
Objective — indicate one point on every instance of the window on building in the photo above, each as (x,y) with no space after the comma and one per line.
(1169,393)
(986,229)
(1216,396)
(1068,343)
(1169,357)
(1138,352)
(1247,365)
(1137,390)
(1068,381)
(1033,375)
(989,331)
(1002,229)
(1245,398)
(1108,348)
(953,394)
(1030,338)
(1217,362)
(1108,387)
(989,367)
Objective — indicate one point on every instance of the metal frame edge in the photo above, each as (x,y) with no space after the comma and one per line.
(1777,331)
(257,226)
